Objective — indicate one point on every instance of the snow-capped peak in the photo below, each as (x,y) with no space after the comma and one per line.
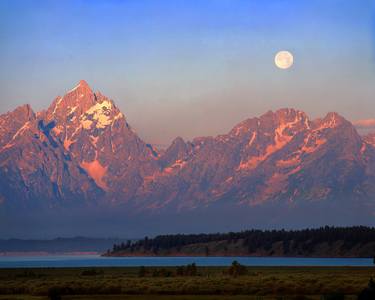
(100,114)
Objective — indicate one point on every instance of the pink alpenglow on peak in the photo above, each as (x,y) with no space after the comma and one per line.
(82,86)
(81,151)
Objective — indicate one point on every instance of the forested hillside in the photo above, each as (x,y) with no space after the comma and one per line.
(326,241)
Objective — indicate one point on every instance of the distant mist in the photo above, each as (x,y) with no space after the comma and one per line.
(119,224)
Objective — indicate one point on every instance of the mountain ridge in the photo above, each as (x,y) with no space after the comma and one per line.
(81,152)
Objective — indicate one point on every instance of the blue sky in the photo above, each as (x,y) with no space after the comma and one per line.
(202,66)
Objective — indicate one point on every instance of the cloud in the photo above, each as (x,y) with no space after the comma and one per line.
(365,124)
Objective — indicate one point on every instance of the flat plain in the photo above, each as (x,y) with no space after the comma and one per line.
(163,283)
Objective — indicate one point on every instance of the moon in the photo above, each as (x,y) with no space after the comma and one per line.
(283,59)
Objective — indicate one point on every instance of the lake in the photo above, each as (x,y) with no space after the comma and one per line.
(57,261)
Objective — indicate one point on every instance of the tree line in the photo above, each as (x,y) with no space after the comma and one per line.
(254,239)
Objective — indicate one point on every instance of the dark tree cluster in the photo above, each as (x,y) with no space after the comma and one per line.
(369,292)
(189,270)
(236,269)
(255,239)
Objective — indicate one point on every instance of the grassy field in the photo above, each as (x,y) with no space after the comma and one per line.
(171,297)
(163,283)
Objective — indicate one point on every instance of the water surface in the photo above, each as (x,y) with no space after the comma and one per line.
(57,261)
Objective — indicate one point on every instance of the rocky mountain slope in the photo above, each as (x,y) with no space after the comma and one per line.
(82,152)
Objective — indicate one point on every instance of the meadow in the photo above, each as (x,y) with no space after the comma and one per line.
(168,283)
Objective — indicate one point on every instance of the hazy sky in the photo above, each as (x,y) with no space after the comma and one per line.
(194,67)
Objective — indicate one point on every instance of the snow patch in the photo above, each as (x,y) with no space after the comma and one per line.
(9,145)
(94,140)
(86,124)
(22,129)
(19,132)
(239,130)
(331,123)
(120,115)
(57,130)
(315,144)
(76,131)
(253,162)
(252,139)
(96,171)
(307,123)
(280,140)
(178,164)
(57,104)
(76,87)
(229,179)
(72,110)
(100,112)
(67,143)
(288,162)
(370,140)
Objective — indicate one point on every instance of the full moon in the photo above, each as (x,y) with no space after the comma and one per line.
(284,59)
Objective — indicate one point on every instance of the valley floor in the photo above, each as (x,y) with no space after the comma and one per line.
(171,297)
(163,283)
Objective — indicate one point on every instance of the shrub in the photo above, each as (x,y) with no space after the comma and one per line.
(334,296)
(180,271)
(54,293)
(162,273)
(369,292)
(189,270)
(27,274)
(236,269)
(142,271)
(91,272)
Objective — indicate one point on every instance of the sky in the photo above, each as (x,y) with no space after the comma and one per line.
(195,67)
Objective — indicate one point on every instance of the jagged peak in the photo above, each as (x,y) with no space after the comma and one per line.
(290,112)
(178,140)
(82,108)
(82,86)
(81,94)
(78,100)
(332,115)
(83,83)
(284,114)
(14,123)
(25,110)
(245,126)
(177,143)
(273,118)
(333,119)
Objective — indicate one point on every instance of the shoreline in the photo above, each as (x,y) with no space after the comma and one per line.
(235,255)
(45,253)
(184,255)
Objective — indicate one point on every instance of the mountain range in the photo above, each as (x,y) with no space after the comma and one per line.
(81,155)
